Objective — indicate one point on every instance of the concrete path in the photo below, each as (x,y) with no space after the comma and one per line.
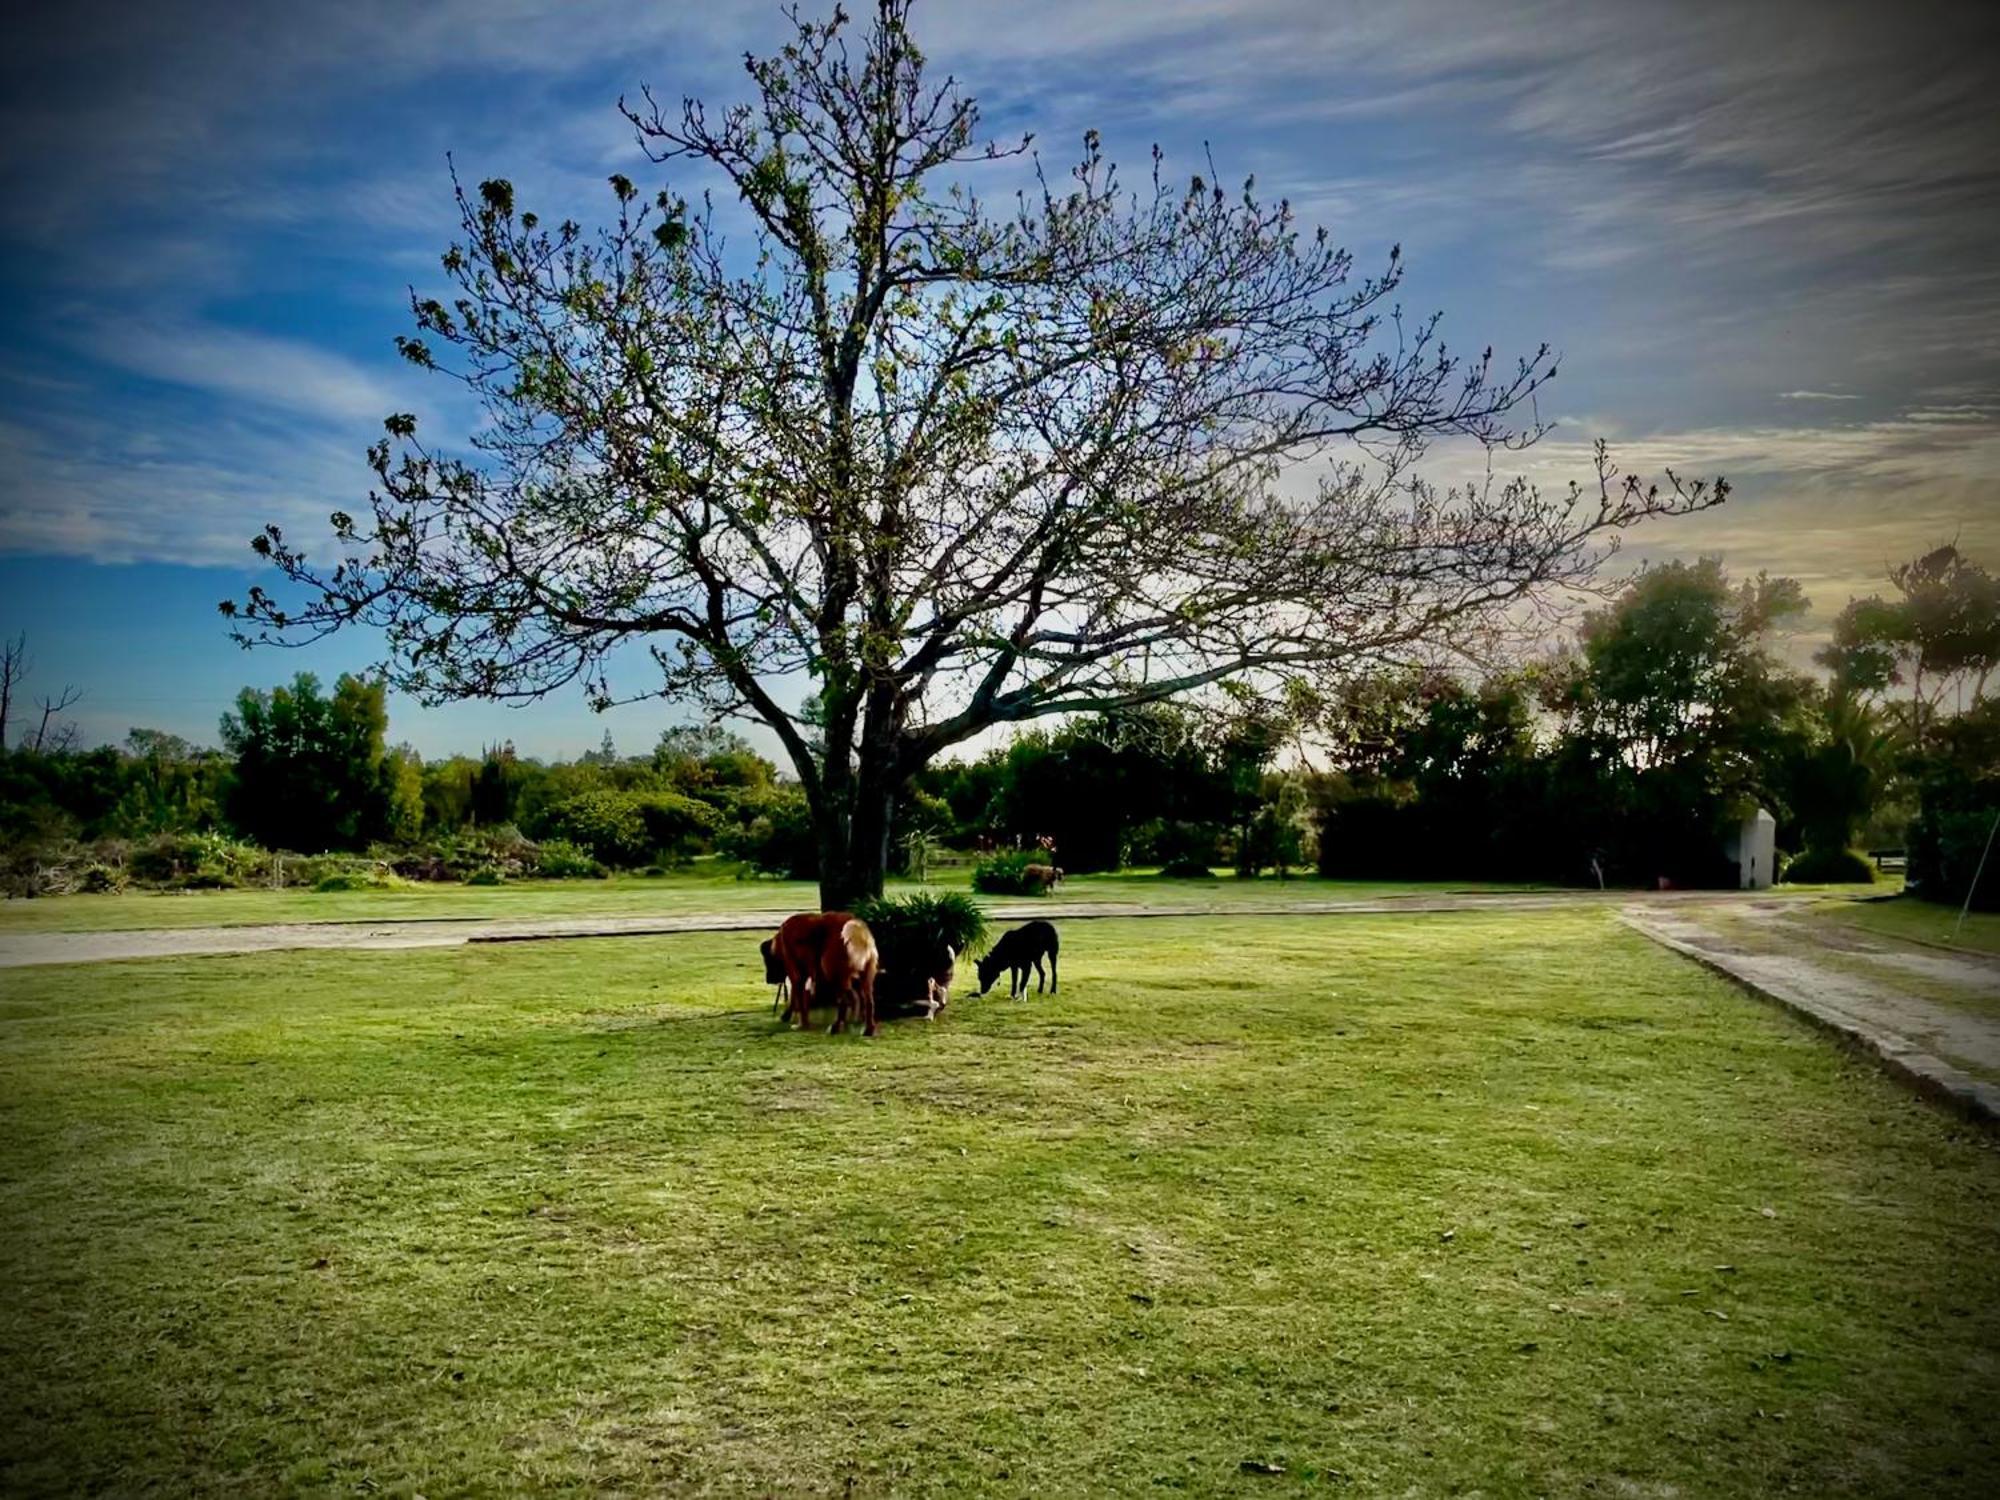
(18,950)
(1858,987)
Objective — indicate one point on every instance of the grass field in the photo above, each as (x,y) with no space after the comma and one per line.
(1925,921)
(1507,1203)
(697,890)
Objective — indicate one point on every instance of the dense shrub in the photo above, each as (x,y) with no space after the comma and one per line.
(926,917)
(199,861)
(485,877)
(1178,847)
(459,855)
(912,934)
(676,826)
(608,824)
(1830,867)
(101,879)
(630,828)
(1946,847)
(61,867)
(1006,874)
(358,880)
(1279,834)
(309,870)
(778,839)
(1959,799)
(558,859)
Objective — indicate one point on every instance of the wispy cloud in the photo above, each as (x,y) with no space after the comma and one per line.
(251,367)
(1913,448)
(1727,216)
(100,489)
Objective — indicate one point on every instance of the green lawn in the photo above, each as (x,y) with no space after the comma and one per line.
(698,890)
(1927,921)
(1508,1203)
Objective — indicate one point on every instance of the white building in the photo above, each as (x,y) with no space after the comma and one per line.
(1753,845)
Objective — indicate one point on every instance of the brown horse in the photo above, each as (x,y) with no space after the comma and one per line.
(827,954)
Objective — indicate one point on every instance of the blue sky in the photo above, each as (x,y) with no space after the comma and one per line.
(1762,238)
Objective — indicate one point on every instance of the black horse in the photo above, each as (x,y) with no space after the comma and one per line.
(1018,951)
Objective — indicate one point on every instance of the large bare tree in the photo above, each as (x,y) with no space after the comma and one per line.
(901,464)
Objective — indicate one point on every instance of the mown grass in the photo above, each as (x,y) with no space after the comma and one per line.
(1926,921)
(1506,1203)
(701,889)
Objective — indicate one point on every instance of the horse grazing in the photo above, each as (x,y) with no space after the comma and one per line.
(917,979)
(829,953)
(1017,952)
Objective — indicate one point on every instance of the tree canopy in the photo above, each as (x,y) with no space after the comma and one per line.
(1935,641)
(947,462)
(314,771)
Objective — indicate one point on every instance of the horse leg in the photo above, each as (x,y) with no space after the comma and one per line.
(1040,978)
(801,987)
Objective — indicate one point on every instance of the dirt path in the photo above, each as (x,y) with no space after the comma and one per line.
(1932,1017)
(19,950)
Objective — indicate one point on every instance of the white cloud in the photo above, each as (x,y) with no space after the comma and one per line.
(113,492)
(251,367)
(1786,188)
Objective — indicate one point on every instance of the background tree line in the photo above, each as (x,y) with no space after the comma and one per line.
(311,773)
(1622,759)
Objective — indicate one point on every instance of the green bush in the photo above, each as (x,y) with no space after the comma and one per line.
(61,867)
(1830,867)
(925,918)
(778,840)
(1006,874)
(624,829)
(1947,845)
(1184,848)
(486,877)
(198,861)
(608,824)
(359,875)
(558,859)
(101,879)
(308,870)
(912,934)
(500,847)
(676,826)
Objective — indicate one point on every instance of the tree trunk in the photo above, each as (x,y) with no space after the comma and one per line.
(854,846)
(847,876)
(835,878)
